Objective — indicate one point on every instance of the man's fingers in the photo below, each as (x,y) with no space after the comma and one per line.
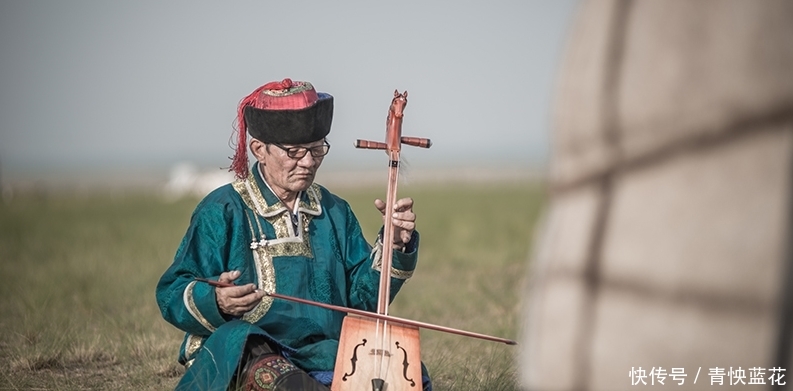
(238,305)
(405,236)
(247,301)
(252,300)
(238,291)
(236,300)
(228,277)
(404,216)
(380,205)
(405,225)
(404,220)
(403,204)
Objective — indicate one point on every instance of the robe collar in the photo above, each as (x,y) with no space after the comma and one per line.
(268,204)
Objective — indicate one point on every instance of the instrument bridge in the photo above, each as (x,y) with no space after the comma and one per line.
(380,352)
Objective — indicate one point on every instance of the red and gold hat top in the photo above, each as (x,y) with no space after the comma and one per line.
(283,112)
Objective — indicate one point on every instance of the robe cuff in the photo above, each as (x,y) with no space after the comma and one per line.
(202,304)
(403,263)
(406,260)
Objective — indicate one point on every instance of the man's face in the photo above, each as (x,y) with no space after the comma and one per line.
(286,174)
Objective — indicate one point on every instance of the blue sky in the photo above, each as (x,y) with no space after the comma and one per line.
(88,85)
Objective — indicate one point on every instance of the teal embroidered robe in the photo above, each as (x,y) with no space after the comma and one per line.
(244,226)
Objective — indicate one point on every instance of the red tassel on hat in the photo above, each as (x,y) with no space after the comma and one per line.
(239,164)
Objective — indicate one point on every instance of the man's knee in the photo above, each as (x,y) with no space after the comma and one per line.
(264,369)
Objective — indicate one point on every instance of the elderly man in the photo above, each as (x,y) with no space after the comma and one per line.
(274,230)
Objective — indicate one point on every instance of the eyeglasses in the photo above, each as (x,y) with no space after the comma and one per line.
(300,152)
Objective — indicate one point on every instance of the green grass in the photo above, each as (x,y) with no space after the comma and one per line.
(78,276)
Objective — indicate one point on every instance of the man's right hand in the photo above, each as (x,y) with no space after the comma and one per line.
(236,300)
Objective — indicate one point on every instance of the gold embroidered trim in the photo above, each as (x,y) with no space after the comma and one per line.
(258,199)
(289,242)
(314,195)
(242,187)
(282,224)
(377,263)
(297,86)
(194,342)
(401,274)
(266,272)
(189,302)
(377,255)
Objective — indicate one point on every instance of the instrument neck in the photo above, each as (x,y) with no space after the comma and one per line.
(388,234)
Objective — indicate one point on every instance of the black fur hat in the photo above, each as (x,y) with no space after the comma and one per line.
(285,126)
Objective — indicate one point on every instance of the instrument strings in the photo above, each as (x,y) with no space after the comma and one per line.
(385,272)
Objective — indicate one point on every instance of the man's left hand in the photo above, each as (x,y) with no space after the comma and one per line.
(404,220)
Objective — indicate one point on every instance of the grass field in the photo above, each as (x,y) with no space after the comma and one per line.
(78,276)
